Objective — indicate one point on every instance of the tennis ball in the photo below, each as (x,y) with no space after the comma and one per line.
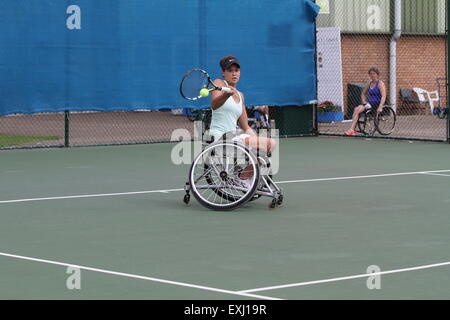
(204,92)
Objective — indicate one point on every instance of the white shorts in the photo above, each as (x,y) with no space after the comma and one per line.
(241,137)
(238,136)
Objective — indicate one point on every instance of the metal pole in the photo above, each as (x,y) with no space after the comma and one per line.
(393,54)
(66,129)
(446,71)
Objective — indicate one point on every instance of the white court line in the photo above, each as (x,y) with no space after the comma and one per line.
(134,276)
(176,190)
(302,284)
(366,176)
(436,174)
(91,195)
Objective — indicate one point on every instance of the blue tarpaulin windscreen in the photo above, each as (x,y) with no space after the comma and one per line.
(109,55)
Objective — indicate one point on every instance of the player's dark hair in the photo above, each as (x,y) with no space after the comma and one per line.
(373,69)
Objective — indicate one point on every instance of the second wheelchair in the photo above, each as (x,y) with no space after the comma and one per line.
(370,121)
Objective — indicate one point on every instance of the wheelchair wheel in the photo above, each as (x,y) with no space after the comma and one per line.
(215,176)
(366,122)
(361,122)
(385,121)
(219,191)
(442,113)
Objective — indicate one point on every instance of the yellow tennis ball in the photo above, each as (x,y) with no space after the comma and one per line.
(204,92)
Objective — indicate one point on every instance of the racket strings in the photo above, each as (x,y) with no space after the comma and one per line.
(193,82)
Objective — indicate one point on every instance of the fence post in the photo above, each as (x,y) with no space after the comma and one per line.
(447,71)
(66,128)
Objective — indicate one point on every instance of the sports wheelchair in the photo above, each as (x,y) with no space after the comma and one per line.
(257,120)
(215,176)
(441,112)
(370,121)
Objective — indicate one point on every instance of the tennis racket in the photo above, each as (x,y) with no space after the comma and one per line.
(195,80)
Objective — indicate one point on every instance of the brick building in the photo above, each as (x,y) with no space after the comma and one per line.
(366,31)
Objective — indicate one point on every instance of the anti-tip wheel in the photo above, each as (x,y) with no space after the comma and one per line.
(186,198)
(273,204)
(280,200)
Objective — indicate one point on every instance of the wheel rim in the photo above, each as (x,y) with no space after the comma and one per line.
(386,121)
(215,171)
(369,123)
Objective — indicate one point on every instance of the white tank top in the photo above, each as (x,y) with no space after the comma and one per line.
(224,119)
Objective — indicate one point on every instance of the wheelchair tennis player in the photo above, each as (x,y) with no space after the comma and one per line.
(228,173)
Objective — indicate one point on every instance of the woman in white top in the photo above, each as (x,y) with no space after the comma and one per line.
(229,109)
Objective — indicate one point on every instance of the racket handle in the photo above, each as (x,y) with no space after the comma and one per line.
(225,89)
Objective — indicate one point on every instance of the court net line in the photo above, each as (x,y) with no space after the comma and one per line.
(181,189)
(365,275)
(140,277)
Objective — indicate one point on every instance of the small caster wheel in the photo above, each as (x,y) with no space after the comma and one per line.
(280,200)
(273,204)
(186,198)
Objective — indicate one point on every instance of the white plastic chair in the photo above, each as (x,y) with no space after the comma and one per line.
(427,97)
(433,96)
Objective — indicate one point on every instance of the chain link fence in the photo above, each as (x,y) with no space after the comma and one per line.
(406,40)
(92,128)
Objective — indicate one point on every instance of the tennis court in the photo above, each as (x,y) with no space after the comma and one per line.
(116,215)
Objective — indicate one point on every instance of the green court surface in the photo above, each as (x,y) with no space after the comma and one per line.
(116,214)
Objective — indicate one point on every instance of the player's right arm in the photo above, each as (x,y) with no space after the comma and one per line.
(218,98)
(364,94)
